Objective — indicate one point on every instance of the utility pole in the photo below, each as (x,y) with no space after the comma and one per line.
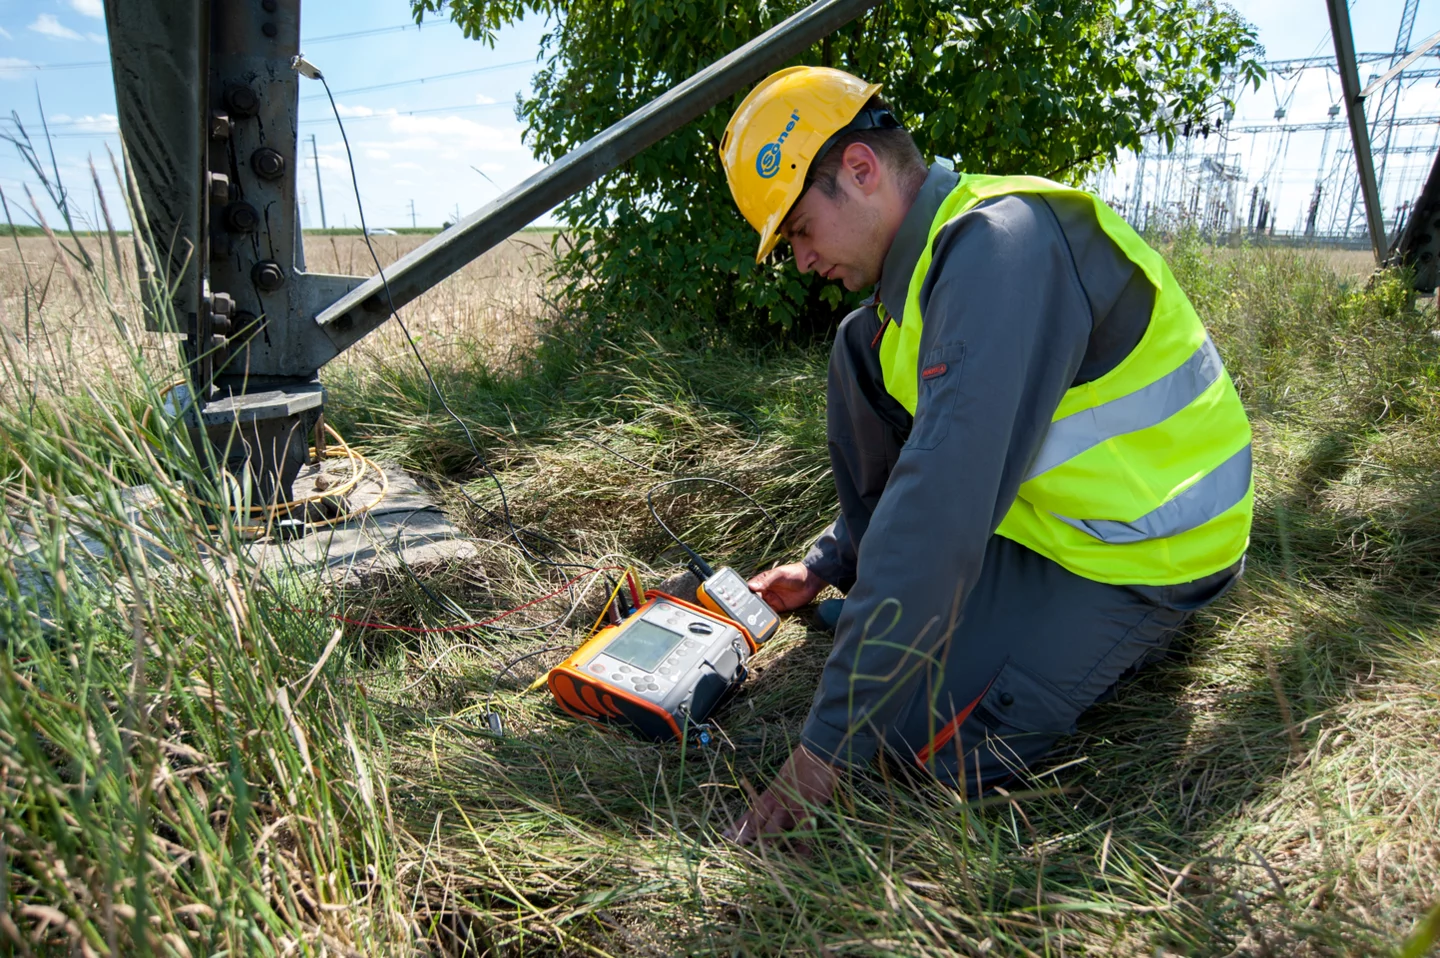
(1355,109)
(412,214)
(318,191)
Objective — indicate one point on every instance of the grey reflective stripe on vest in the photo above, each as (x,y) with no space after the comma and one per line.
(1217,491)
(1146,407)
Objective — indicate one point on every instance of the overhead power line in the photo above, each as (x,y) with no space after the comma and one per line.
(378,115)
(76,65)
(304,41)
(381,115)
(417,80)
(357,34)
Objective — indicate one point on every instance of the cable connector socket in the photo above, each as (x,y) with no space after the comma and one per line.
(305,68)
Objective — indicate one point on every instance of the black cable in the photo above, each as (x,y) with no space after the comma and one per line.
(650,504)
(424,366)
(495,685)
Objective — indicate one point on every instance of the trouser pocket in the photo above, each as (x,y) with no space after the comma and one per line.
(1021,702)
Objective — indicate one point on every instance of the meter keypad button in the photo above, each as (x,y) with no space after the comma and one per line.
(625,668)
(702,628)
(598,668)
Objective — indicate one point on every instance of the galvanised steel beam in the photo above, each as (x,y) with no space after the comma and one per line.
(365,308)
(1355,111)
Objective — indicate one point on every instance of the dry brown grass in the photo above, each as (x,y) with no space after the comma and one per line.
(54,321)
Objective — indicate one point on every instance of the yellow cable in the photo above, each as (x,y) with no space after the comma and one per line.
(358,462)
(613,593)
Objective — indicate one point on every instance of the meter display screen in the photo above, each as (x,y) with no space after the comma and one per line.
(644,644)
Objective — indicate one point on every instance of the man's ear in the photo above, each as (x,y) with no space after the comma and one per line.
(862,168)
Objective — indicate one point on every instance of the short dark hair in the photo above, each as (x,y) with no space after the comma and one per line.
(895,148)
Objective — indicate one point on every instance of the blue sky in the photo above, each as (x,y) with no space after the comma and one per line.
(462,151)
(1286,169)
(467,146)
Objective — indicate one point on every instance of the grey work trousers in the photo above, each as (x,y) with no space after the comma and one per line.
(1035,645)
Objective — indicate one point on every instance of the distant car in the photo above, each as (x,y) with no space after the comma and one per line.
(382,231)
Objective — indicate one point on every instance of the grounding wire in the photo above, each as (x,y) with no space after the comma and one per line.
(650,504)
(424,366)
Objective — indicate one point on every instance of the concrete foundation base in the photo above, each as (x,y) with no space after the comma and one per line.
(404,522)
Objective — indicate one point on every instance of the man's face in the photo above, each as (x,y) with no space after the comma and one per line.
(838,237)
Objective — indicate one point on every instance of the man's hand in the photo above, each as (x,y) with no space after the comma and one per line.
(805,779)
(787,587)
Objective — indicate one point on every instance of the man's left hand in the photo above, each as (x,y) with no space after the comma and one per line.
(805,779)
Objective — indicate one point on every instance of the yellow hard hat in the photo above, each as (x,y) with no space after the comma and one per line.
(785,124)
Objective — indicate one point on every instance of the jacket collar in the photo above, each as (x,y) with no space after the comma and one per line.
(910,241)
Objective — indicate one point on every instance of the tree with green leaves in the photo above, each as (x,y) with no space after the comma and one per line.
(1057,88)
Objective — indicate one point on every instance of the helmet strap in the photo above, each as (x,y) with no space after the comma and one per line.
(870,118)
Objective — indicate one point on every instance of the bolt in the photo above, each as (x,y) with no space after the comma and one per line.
(267,275)
(269,29)
(241,100)
(221,306)
(243,321)
(218,186)
(220,126)
(241,217)
(267,163)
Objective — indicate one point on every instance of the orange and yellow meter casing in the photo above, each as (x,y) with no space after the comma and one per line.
(669,664)
(727,594)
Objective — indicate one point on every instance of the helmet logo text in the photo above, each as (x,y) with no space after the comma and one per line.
(767,161)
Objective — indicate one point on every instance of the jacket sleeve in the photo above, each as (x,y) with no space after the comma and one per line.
(832,557)
(1006,327)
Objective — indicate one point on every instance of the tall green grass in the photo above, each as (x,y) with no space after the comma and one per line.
(185,769)
(195,759)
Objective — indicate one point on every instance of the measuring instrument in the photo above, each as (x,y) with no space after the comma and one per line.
(659,673)
(726,593)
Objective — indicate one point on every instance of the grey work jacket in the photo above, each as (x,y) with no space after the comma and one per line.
(1034,298)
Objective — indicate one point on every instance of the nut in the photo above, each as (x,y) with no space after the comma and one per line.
(218,186)
(267,275)
(268,164)
(241,100)
(241,217)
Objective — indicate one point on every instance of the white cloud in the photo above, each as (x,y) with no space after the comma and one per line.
(482,98)
(352,111)
(95,37)
(377,154)
(452,135)
(89,8)
(92,123)
(492,167)
(13,67)
(406,165)
(6,34)
(51,27)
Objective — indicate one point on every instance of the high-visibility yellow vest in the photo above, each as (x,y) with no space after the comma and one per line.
(1144,476)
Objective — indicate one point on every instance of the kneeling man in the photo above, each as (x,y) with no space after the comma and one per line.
(1042,465)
